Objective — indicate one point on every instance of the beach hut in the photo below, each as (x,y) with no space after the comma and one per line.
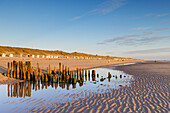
(11,55)
(21,55)
(47,56)
(3,55)
(43,56)
(38,56)
(33,56)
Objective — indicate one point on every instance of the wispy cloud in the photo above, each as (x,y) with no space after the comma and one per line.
(148,51)
(106,7)
(157,15)
(160,15)
(141,28)
(149,33)
(117,39)
(76,18)
(162,29)
(132,40)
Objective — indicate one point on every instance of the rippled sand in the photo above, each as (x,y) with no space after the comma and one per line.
(148,93)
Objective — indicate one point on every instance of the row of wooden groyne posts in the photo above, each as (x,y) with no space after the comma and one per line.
(24,71)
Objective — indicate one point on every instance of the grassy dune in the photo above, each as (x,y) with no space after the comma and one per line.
(25,51)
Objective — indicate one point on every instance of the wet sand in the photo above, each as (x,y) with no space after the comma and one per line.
(148,93)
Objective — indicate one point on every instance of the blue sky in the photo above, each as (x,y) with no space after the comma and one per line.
(127,28)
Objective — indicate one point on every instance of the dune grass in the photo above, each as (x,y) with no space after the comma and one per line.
(25,51)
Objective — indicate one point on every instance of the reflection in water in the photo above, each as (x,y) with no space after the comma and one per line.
(70,82)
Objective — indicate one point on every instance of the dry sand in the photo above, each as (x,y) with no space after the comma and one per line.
(71,63)
(149,93)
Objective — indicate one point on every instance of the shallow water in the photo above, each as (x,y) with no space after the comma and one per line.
(22,96)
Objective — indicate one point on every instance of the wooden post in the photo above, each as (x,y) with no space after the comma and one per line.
(54,70)
(56,78)
(8,68)
(49,69)
(59,68)
(63,69)
(67,78)
(36,72)
(42,77)
(24,74)
(11,70)
(68,70)
(17,70)
(46,78)
(21,70)
(77,73)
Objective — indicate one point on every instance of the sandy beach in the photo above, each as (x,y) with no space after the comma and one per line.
(148,93)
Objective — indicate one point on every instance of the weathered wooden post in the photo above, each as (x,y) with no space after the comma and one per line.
(42,77)
(17,70)
(56,78)
(11,70)
(29,71)
(93,75)
(97,75)
(59,68)
(77,74)
(46,78)
(54,70)
(35,74)
(8,68)
(68,70)
(24,74)
(67,77)
(89,74)
(21,70)
(49,69)
(109,75)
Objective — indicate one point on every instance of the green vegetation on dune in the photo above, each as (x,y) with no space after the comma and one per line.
(26,51)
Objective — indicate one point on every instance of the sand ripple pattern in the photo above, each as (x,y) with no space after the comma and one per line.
(148,94)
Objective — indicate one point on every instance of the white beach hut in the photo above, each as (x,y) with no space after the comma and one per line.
(33,56)
(11,55)
(3,55)
(38,56)
(43,56)
(21,55)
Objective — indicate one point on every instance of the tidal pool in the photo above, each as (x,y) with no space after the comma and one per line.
(24,96)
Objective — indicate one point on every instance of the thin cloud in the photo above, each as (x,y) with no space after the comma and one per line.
(76,18)
(103,8)
(141,28)
(149,33)
(157,15)
(119,38)
(162,29)
(148,51)
(132,40)
(165,14)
